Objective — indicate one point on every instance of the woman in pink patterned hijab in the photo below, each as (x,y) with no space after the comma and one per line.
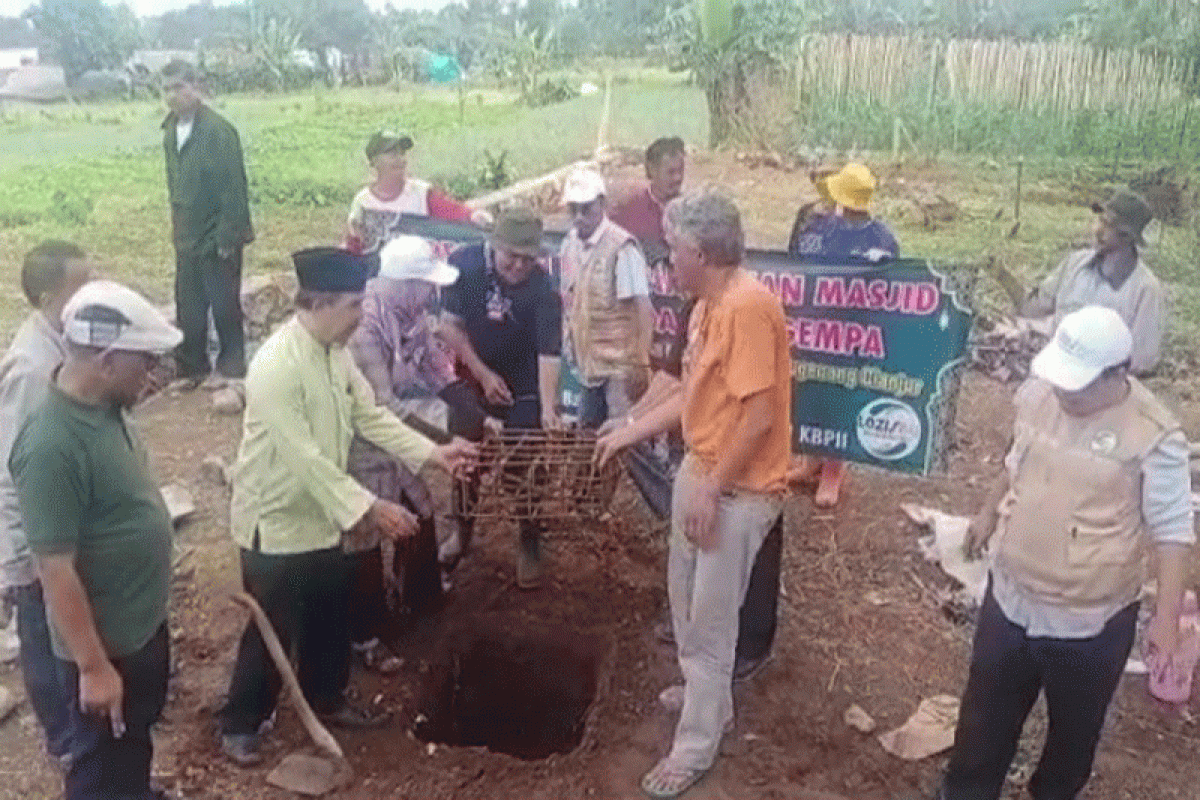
(398,351)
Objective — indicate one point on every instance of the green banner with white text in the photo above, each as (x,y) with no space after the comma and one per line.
(877,350)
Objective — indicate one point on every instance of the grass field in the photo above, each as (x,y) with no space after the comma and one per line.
(94,174)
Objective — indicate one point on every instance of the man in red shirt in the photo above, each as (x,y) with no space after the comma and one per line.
(641,213)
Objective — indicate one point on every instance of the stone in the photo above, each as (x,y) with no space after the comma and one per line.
(859,719)
(8,703)
(178,500)
(229,401)
(214,470)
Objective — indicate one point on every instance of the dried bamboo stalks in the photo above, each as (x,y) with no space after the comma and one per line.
(1042,77)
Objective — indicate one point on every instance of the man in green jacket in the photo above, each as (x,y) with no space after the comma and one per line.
(210,217)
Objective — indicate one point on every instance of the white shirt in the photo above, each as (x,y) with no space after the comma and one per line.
(376,219)
(182,131)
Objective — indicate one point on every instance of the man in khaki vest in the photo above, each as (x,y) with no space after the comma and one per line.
(606,299)
(1096,475)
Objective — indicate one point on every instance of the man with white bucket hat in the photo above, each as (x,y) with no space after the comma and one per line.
(1097,472)
(101,536)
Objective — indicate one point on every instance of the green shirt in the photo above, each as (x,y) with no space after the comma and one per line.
(85,488)
(304,403)
(206,184)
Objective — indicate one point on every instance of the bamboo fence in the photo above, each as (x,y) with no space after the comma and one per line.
(1056,78)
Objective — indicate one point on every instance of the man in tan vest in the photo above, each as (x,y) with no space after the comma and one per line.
(606,299)
(1096,475)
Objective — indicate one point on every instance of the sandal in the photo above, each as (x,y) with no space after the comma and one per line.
(666,781)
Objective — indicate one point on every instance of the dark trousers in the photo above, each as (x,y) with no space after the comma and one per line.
(45,682)
(415,564)
(204,282)
(525,412)
(107,768)
(306,597)
(758,616)
(653,476)
(1008,669)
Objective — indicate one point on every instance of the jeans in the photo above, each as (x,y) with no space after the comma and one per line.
(306,598)
(106,768)
(706,589)
(598,404)
(43,673)
(652,473)
(202,282)
(1008,670)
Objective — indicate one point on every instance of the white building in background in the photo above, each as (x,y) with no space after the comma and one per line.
(13,57)
(155,60)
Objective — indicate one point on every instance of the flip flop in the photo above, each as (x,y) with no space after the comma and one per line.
(665,782)
(829,489)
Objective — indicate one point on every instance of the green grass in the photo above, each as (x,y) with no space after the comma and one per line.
(94,174)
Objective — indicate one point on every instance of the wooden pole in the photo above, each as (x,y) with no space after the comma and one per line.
(320,735)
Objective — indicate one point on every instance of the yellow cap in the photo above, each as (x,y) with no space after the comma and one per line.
(853,187)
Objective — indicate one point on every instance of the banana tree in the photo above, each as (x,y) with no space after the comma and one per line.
(723,41)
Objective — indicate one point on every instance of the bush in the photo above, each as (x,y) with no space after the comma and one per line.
(549,92)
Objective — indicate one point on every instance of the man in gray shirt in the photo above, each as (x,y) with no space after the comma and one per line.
(1097,474)
(50,275)
(1111,274)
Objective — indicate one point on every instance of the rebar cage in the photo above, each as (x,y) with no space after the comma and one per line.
(548,477)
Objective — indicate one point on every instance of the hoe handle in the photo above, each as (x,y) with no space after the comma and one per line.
(320,735)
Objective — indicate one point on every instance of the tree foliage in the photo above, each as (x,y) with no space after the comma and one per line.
(86,34)
(1166,28)
(724,42)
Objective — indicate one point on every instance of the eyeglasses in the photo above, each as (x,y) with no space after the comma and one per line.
(579,209)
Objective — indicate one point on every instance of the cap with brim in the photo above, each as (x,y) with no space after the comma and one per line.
(853,187)
(1129,212)
(1086,343)
(519,230)
(108,315)
(1054,365)
(412,258)
(332,269)
(583,186)
(386,142)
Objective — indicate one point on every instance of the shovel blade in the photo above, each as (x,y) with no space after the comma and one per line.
(307,775)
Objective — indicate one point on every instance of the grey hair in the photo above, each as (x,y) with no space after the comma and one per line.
(710,220)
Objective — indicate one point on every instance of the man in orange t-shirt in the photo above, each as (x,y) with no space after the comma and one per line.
(735,408)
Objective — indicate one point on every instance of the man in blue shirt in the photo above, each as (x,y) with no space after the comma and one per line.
(847,235)
(503,319)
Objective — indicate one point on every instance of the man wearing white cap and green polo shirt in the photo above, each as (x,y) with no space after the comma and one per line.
(608,317)
(101,536)
(1097,473)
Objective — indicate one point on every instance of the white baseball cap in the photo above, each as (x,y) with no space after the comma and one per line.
(1086,343)
(583,186)
(106,314)
(411,257)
